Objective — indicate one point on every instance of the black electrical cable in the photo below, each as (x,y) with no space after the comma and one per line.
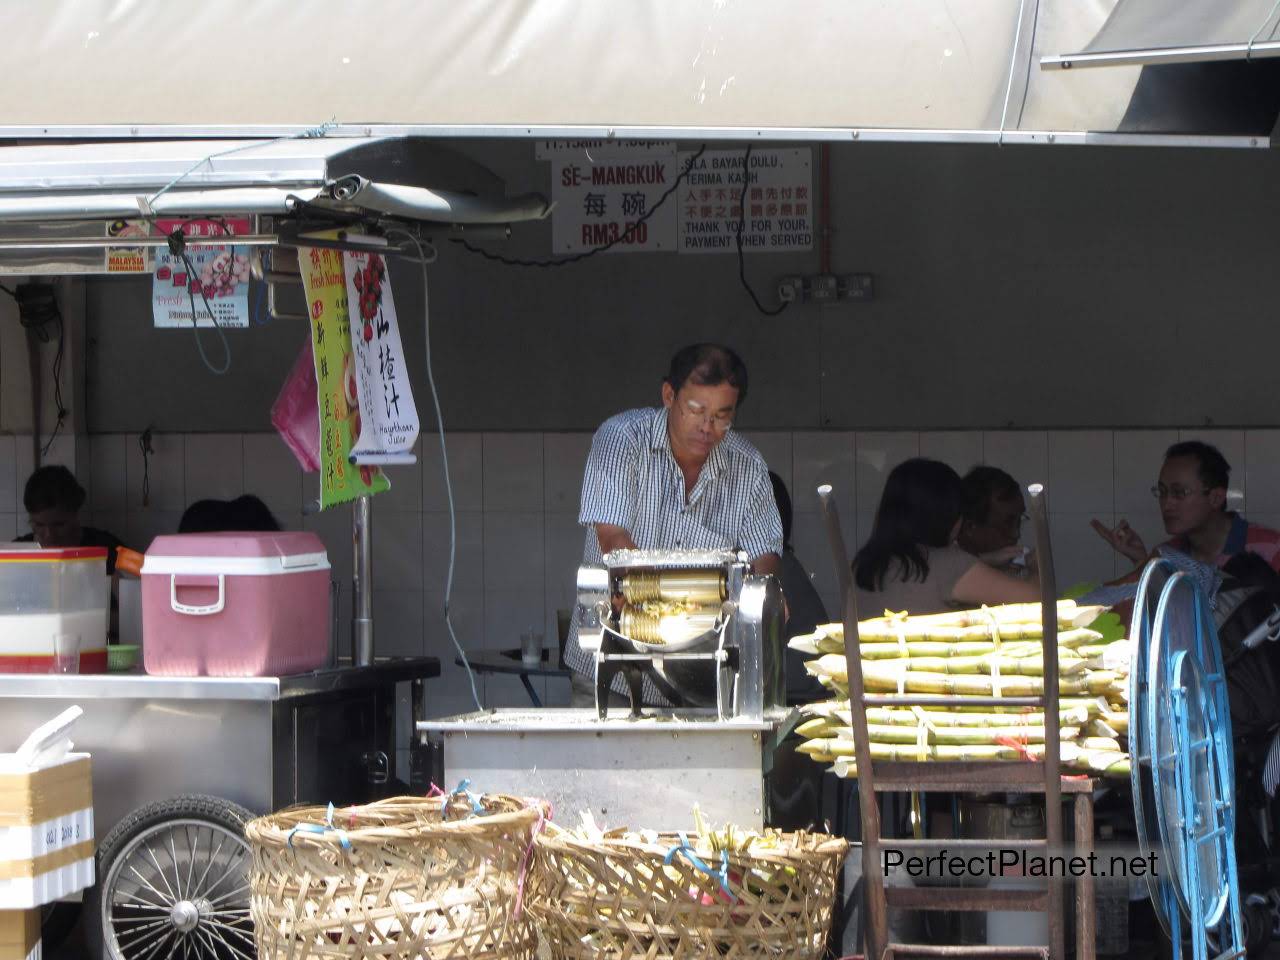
(178,248)
(565,261)
(38,312)
(742,225)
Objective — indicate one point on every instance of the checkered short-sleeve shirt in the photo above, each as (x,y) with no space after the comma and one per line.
(632,481)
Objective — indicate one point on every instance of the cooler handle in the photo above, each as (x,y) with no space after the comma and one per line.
(193,610)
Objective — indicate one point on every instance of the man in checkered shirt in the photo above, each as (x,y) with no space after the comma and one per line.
(676,477)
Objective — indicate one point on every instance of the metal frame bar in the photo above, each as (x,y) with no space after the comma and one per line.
(1192,54)
(685,134)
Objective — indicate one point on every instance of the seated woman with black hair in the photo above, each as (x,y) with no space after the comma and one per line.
(912,562)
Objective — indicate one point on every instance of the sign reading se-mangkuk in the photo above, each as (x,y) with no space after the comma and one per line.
(606,199)
(778,203)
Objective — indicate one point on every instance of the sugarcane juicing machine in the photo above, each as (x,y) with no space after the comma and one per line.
(698,625)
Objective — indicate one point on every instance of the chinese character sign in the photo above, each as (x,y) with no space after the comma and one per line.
(600,199)
(215,278)
(324,281)
(777,210)
(388,417)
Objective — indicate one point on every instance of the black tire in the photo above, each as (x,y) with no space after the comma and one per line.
(1256,920)
(57,920)
(106,923)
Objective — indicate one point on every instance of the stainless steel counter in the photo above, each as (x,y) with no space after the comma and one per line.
(262,742)
(137,685)
(640,773)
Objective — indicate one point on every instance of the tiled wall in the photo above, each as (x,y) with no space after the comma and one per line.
(516,496)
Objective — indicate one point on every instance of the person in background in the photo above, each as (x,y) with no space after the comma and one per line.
(1192,492)
(53,499)
(245,514)
(992,510)
(805,609)
(912,563)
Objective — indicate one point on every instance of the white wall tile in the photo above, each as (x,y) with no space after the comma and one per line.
(813,549)
(398,623)
(333,527)
(61,450)
(818,458)
(512,471)
(776,447)
(466,613)
(106,473)
(1022,453)
(272,474)
(877,455)
(513,552)
(8,526)
(10,485)
(165,471)
(1081,476)
(214,466)
(397,550)
(468,568)
(508,614)
(406,482)
(564,459)
(143,526)
(959,449)
(1139,454)
(563,541)
(466,471)
(1079,554)
(1261,472)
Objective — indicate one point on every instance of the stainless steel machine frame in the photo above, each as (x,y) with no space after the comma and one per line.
(640,773)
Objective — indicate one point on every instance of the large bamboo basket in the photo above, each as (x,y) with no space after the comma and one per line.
(615,899)
(394,879)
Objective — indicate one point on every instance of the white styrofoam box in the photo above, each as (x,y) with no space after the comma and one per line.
(47,842)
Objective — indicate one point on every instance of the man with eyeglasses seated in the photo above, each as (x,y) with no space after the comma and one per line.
(676,477)
(1192,492)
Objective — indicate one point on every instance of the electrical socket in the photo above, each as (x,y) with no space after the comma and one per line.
(857,286)
(791,289)
(824,288)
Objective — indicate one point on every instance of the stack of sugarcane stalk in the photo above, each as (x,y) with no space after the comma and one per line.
(991,652)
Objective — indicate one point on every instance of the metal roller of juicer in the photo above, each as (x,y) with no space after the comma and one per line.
(698,624)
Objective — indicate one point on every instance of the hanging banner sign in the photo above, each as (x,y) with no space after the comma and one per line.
(129,259)
(600,202)
(325,284)
(779,202)
(387,418)
(212,278)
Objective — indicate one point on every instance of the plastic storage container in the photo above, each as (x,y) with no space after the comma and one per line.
(235,605)
(47,593)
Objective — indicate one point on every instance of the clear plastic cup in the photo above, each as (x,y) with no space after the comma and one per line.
(66,653)
(531,649)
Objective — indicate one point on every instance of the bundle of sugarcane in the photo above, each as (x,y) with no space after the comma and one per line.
(993,652)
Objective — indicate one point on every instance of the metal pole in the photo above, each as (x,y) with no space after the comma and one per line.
(362,582)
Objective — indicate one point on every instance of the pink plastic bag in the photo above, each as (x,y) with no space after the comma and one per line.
(296,412)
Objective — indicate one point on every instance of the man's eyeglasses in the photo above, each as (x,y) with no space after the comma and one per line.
(1176,492)
(719,422)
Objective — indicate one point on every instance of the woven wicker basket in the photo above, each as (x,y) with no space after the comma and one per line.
(614,899)
(394,879)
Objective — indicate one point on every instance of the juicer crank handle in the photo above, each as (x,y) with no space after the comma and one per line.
(196,610)
(838,551)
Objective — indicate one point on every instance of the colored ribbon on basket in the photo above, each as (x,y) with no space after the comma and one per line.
(477,808)
(320,828)
(543,813)
(721,876)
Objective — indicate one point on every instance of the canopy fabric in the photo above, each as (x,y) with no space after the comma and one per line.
(535,67)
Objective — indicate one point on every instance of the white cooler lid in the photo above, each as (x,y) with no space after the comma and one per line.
(255,554)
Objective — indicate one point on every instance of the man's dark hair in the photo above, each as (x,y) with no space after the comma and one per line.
(979,487)
(53,486)
(1212,465)
(708,365)
(783,499)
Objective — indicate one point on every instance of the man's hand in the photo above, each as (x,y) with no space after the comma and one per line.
(1123,539)
(766,564)
(613,538)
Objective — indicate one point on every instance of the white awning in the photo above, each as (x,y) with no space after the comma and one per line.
(893,69)
(1177,31)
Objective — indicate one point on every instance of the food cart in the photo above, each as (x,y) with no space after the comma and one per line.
(107,151)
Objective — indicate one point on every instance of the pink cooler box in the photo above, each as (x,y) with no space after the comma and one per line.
(235,605)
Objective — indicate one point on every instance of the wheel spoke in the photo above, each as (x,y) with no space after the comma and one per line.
(177,870)
(174,898)
(204,937)
(191,851)
(209,866)
(146,883)
(213,933)
(157,939)
(234,892)
(233,868)
(120,901)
